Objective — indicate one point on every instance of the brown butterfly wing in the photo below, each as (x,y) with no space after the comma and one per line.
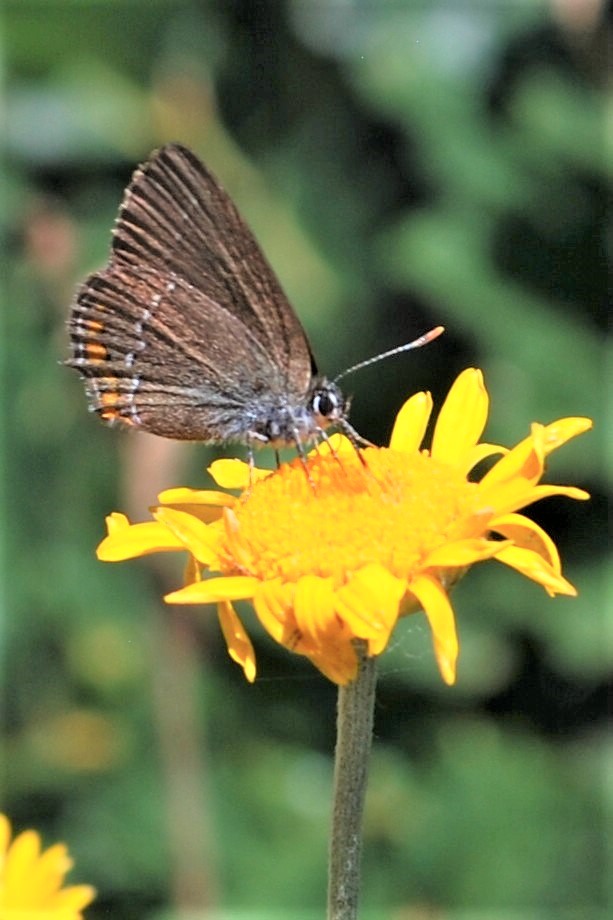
(177,219)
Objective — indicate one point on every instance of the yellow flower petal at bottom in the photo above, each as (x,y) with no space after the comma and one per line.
(336,659)
(46,870)
(273,602)
(320,634)
(439,612)
(19,869)
(327,643)
(238,642)
(31,880)
(314,605)
(71,902)
(369,605)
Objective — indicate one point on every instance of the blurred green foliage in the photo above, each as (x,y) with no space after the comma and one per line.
(403,164)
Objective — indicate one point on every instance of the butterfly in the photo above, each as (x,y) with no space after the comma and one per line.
(187,333)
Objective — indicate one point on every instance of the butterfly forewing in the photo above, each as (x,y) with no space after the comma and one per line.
(176,215)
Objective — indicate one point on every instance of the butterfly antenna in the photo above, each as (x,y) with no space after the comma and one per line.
(416,343)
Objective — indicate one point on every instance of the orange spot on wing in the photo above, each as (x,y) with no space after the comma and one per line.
(109,399)
(114,415)
(95,352)
(110,415)
(112,402)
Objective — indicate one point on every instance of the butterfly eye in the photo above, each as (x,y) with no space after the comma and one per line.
(327,404)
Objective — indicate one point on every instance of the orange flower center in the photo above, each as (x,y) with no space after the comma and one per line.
(394,511)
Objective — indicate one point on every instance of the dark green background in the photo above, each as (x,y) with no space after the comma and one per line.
(403,165)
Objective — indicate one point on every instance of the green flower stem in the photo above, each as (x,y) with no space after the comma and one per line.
(354,726)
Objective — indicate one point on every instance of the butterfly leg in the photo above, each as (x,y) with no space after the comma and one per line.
(303,456)
(323,436)
(356,440)
(251,464)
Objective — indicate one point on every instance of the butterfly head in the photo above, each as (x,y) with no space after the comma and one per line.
(277,422)
(327,404)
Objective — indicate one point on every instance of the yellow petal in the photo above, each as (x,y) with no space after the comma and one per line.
(236,544)
(411,423)
(238,642)
(533,566)
(515,494)
(545,491)
(523,462)
(74,899)
(203,503)
(527,535)
(506,496)
(559,432)
(185,496)
(214,590)
(369,605)
(463,552)
(192,571)
(462,418)
(52,866)
(314,605)
(331,652)
(273,603)
(137,540)
(337,659)
(234,474)
(336,443)
(23,856)
(116,521)
(195,535)
(435,603)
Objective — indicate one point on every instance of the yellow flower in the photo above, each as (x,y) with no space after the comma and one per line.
(339,553)
(31,881)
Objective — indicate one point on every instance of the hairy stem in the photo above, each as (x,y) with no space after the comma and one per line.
(353,742)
